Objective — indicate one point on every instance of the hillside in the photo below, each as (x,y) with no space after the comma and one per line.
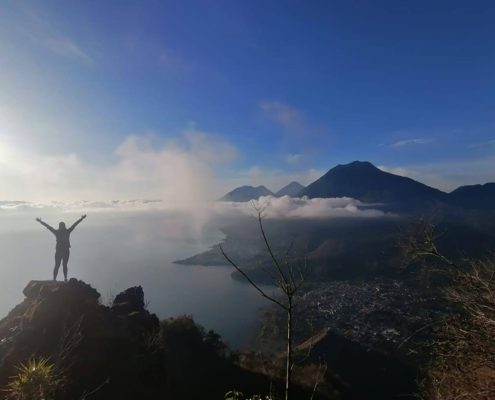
(120,351)
(341,248)
(474,196)
(66,323)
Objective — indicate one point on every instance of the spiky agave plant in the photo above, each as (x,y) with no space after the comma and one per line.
(35,380)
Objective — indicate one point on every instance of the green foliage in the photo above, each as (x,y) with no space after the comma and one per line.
(36,380)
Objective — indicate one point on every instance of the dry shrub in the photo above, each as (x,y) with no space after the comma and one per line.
(463,365)
(462,354)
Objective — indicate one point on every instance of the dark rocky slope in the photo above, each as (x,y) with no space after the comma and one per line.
(118,352)
(91,343)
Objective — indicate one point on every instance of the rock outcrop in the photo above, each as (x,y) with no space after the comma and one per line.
(93,345)
(121,351)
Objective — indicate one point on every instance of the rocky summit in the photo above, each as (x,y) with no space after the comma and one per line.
(94,346)
(119,351)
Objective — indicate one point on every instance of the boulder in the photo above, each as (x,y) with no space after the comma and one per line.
(90,342)
(129,301)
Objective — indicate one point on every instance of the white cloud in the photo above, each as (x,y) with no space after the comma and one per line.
(273,208)
(301,137)
(26,174)
(489,144)
(181,173)
(210,148)
(64,46)
(284,114)
(36,25)
(411,142)
(82,206)
(287,116)
(288,207)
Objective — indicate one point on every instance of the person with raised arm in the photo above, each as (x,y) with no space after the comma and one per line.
(62,249)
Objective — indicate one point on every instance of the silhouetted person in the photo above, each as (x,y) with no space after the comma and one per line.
(62,250)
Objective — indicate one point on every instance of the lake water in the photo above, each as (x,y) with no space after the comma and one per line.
(113,251)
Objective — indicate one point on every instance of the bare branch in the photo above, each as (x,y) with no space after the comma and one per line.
(462,350)
(418,331)
(419,242)
(287,252)
(95,390)
(288,284)
(269,248)
(251,281)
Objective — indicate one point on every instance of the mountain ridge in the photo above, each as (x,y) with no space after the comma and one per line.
(364,181)
(479,196)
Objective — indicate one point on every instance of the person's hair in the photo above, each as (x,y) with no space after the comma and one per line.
(61,225)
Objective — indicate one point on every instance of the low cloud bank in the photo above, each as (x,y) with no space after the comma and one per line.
(181,172)
(273,207)
(289,207)
(82,206)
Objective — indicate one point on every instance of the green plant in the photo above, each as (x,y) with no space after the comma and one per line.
(234,395)
(35,380)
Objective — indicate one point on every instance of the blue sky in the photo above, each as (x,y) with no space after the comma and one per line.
(258,92)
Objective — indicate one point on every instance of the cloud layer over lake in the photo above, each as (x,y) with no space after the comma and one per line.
(272,207)
(290,207)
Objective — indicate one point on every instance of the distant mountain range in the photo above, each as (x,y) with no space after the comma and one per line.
(363,181)
(247,193)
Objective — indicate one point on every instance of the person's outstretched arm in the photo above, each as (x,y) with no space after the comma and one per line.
(51,229)
(77,223)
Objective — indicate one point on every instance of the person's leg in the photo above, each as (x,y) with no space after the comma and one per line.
(65,262)
(58,259)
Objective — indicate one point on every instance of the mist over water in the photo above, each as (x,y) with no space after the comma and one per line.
(115,250)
